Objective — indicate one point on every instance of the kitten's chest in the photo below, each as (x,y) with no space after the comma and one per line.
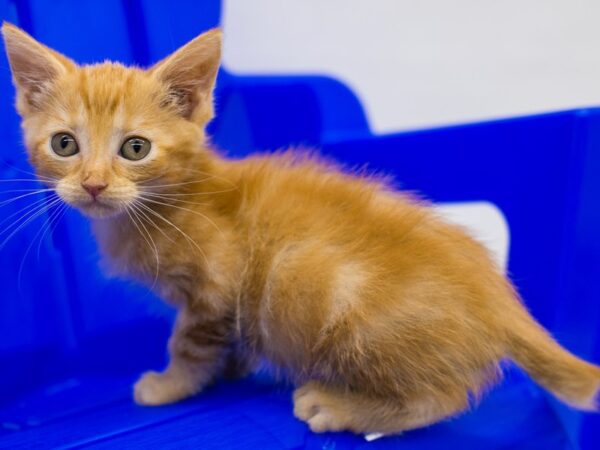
(147,259)
(179,283)
(125,254)
(179,273)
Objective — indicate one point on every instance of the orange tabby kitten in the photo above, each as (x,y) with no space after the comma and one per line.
(385,317)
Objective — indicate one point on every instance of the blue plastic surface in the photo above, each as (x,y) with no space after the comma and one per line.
(73,342)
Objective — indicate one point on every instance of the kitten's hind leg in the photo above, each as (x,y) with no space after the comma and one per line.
(198,352)
(327,409)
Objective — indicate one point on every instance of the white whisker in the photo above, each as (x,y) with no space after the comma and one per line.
(37,176)
(139,210)
(30,210)
(184,209)
(42,232)
(14,199)
(53,224)
(32,216)
(177,184)
(152,246)
(169,199)
(213,176)
(152,179)
(22,180)
(30,207)
(189,239)
(175,194)
(12,191)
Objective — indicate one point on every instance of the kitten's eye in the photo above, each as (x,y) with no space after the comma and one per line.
(63,144)
(135,149)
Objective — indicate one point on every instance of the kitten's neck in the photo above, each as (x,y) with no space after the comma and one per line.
(191,209)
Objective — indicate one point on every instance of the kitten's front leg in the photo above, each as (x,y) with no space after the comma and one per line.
(198,350)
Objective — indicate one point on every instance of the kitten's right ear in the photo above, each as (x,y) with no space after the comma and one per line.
(34,66)
(190,75)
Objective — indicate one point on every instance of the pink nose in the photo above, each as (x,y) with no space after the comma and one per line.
(94,188)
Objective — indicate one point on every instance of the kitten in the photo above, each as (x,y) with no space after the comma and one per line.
(385,317)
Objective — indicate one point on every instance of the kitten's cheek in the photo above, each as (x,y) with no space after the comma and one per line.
(77,200)
(65,195)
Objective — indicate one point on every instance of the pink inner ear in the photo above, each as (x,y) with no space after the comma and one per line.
(190,75)
(34,67)
(33,81)
(30,66)
(183,100)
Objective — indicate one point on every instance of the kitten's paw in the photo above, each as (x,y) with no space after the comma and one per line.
(154,388)
(319,409)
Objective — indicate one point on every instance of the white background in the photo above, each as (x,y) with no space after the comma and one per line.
(417,63)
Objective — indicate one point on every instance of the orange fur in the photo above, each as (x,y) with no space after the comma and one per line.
(385,316)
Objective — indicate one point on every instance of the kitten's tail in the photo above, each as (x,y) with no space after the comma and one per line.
(571,379)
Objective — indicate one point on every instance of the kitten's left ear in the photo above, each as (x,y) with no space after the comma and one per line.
(34,67)
(189,75)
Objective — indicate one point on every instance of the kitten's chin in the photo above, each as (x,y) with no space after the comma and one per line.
(98,210)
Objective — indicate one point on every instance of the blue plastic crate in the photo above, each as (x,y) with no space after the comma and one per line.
(73,342)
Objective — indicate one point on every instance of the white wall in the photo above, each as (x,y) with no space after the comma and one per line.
(420,63)
(417,63)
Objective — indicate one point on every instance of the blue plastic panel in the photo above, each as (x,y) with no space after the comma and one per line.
(267,113)
(254,414)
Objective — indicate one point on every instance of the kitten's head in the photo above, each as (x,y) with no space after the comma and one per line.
(102,134)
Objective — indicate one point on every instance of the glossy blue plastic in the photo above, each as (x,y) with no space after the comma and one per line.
(72,342)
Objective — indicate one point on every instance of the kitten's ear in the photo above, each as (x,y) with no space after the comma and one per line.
(189,75)
(34,66)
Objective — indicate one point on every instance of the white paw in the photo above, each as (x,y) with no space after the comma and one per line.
(154,388)
(318,409)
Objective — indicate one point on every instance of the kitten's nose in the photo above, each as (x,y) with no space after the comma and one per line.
(94,188)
